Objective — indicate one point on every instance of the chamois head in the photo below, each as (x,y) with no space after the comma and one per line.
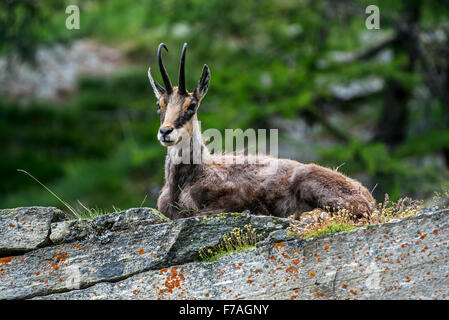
(175,105)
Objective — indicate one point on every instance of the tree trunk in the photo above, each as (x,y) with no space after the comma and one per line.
(392,124)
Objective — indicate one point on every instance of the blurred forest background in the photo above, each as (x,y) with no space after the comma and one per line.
(77,110)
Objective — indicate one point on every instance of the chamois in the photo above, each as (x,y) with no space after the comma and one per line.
(209,184)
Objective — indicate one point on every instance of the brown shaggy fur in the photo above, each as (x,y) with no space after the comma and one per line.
(280,187)
(294,188)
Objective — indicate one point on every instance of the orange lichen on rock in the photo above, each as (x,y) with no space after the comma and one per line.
(292,269)
(278,245)
(60,257)
(173,280)
(6,260)
(141,252)
(286,256)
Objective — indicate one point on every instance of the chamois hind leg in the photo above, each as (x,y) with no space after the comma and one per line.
(324,188)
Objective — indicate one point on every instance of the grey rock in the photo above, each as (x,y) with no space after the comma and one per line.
(275,237)
(407,259)
(68,231)
(25,229)
(115,247)
(129,218)
(138,254)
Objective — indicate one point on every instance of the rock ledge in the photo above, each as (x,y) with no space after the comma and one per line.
(140,254)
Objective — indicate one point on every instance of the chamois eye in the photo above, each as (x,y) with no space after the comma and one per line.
(158,107)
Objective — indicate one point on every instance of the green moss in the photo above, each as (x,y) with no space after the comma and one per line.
(217,255)
(331,228)
(235,241)
(290,234)
(222,216)
(160,215)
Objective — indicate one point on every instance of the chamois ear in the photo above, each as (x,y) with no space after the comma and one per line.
(157,88)
(203,83)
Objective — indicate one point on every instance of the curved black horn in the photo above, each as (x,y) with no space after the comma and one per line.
(164,73)
(182,74)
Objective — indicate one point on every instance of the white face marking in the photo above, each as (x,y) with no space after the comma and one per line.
(171,139)
(172,111)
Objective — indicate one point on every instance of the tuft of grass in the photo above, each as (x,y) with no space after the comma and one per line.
(235,241)
(91,213)
(440,200)
(320,222)
(68,206)
(184,210)
(213,256)
(329,228)
(85,213)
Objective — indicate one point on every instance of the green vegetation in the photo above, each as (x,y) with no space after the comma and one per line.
(211,256)
(316,224)
(235,241)
(268,59)
(330,228)
(83,213)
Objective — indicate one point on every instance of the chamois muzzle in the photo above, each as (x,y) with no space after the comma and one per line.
(165,131)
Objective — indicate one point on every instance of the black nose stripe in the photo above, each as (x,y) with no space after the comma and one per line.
(183,118)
